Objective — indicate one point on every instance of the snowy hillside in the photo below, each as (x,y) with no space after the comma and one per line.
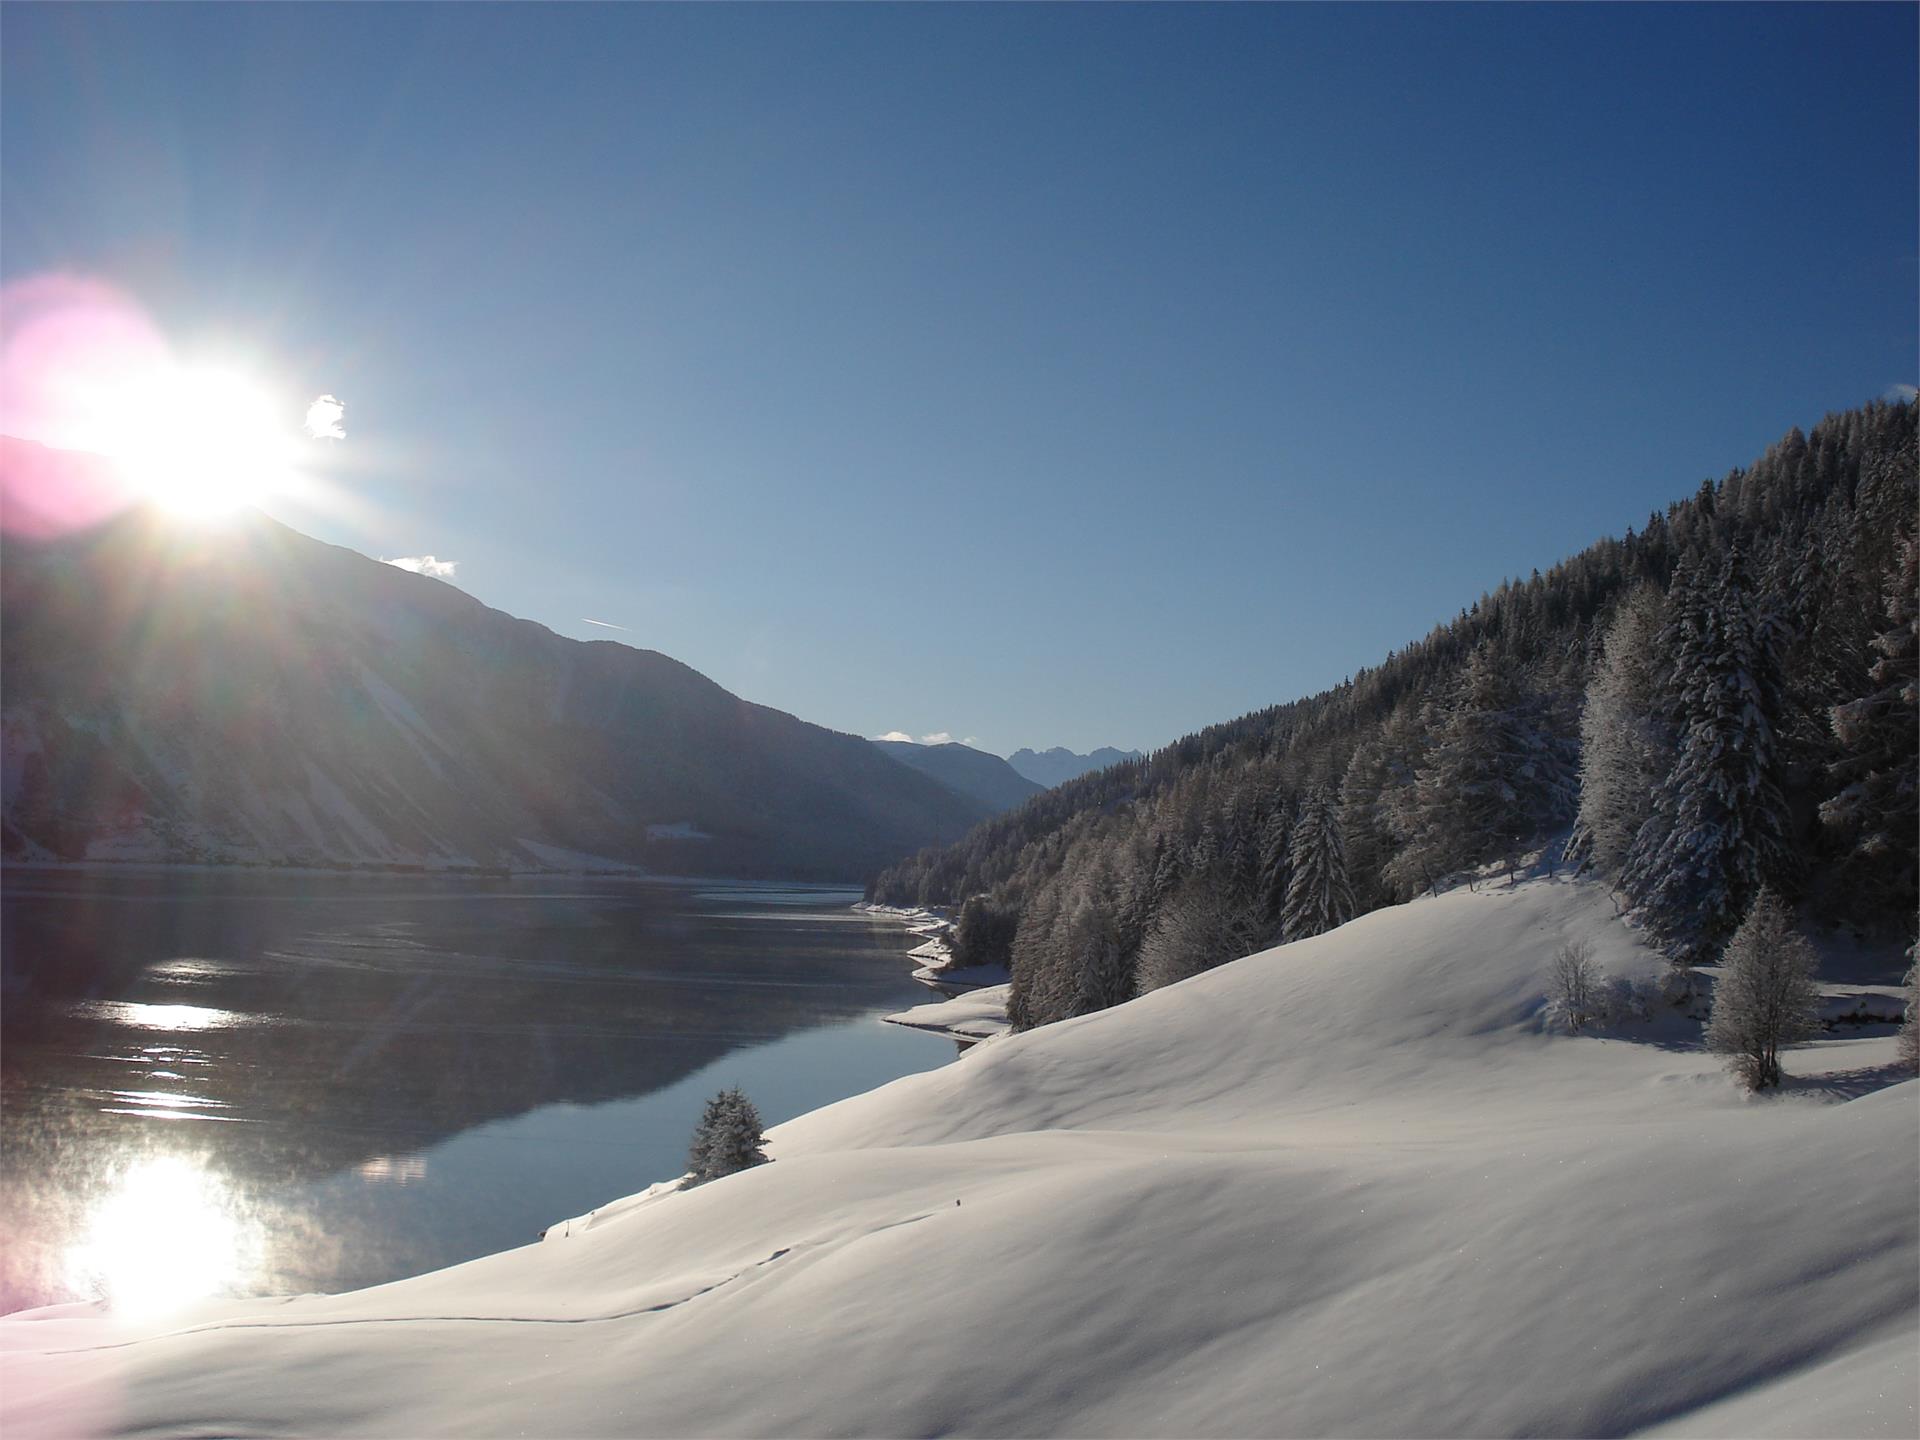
(1352,1185)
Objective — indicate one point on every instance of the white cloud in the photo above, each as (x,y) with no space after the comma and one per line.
(1900,392)
(323,419)
(426,565)
(603,624)
(971,742)
(938,737)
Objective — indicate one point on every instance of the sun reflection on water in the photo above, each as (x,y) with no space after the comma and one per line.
(393,1169)
(162,1017)
(167,1232)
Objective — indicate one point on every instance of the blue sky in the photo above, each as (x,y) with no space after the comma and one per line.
(1040,375)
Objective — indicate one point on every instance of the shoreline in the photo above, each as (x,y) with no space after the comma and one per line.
(973,1007)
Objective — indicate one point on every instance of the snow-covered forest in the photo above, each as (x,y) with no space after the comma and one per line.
(1722,701)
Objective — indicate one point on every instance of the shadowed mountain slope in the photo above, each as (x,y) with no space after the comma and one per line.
(248,694)
(974,773)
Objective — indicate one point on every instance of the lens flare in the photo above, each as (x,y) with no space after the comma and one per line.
(83,368)
(166,1234)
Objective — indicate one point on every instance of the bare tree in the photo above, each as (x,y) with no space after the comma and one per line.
(1576,987)
(1765,997)
(1910,1024)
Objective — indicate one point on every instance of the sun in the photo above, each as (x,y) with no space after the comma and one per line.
(199,443)
(201,434)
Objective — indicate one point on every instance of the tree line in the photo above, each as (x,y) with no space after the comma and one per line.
(1721,703)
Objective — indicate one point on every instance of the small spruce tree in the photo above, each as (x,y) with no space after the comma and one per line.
(729,1137)
(1765,997)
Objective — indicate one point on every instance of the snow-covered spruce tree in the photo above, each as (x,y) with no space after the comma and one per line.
(1240,848)
(1318,895)
(1879,769)
(1376,796)
(729,1137)
(1498,773)
(1276,836)
(1199,928)
(984,933)
(1677,656)
(1765,997)
(1718,831)
(1041,991)
(1626,748)
(1099,963)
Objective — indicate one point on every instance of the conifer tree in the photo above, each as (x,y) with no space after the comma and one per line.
(1377,802)
(1275,835)
(1035,998)
(1240,849)
(1101,969)
(1497,774)
(1879,734)
(1765,997)
(1719,827)
(728,1138)
(1625,748)
(1200,928)
(1318,894)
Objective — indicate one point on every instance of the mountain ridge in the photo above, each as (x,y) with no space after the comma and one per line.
(253,695)
(973,773)
(1056,766)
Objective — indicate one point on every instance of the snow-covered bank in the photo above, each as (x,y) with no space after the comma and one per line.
(935,950)
(1352,1185)
(977,1014)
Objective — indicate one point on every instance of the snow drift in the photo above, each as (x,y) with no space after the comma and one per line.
(1352,1185)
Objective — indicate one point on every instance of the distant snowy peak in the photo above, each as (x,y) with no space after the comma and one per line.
(1048,768)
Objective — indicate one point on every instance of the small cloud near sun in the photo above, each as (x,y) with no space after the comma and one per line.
(425,565)
(323,419)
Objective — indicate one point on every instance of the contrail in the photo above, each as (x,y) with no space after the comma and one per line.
(603,624)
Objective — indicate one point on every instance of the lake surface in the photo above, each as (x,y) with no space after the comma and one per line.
(223,1082)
